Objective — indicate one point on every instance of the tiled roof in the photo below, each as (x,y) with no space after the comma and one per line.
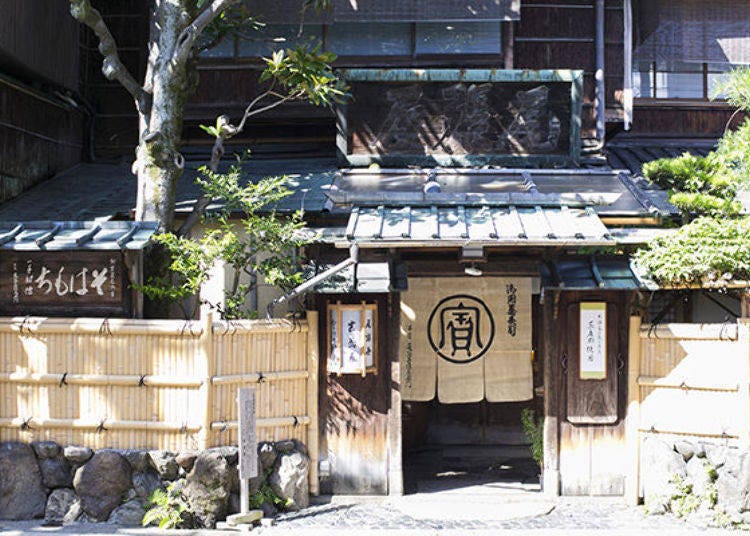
(475,226)
(75,235)
(90,191)
(632,152)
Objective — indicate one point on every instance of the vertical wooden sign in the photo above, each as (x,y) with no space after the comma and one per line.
(247,435)
(593,341)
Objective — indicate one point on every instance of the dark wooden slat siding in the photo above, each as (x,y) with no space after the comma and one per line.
(591,456)
(560,34)
(116,125)
(37,140)
(39,38)
(671,119)
(354,412)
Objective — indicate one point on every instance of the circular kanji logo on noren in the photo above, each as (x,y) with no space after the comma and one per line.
(461,328)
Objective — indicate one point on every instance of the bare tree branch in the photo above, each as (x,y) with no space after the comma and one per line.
(112,66)
(190,35)
(227,131)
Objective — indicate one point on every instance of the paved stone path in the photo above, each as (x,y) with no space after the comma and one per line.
(563,514)
(410,516)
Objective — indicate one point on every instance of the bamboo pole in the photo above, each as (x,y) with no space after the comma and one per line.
(97,326)
(312,399)
(633,415)
(208,365)
(125,380)
(743,350)
(267,422)
(691,332)
(104,425)
(275,325)
(667,383)
(257,377)
(689,434)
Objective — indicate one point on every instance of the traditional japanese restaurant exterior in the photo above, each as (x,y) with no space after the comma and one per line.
(472,237)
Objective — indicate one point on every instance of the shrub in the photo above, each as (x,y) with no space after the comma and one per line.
(169,509)
(533,429)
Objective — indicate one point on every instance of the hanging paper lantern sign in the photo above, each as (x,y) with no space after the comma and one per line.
(352,338)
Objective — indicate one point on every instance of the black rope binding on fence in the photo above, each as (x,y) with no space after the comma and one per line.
(63,379)
(142,380)
(25,424)
(295,422)
(261,378)
(101,428)
(104,329)
(23,326)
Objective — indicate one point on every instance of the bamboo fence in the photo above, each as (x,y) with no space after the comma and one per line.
(687,380)
(157,384)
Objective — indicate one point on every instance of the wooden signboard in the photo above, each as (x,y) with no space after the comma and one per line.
(465,117)
(248,437)
(64,283)
(592,348)
(352,338)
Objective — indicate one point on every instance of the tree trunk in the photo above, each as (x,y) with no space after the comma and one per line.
(159,163)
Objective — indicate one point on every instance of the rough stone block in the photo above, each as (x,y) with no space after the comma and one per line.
(248,518)
(102,482)
(22,495)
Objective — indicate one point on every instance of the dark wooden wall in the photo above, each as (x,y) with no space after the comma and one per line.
(590,455)
(551,34)
(682,119)
(39,137)
(115,130)
(560,34)
(40,133)
(354,411)
(39,39)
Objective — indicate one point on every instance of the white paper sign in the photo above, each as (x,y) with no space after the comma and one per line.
(352,339)
(593,341)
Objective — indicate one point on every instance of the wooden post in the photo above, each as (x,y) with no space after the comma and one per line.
(208,366)
(743,349)
(551,470)
(745,304)
(507,31)
(312,399)
(633,414)
(395,447)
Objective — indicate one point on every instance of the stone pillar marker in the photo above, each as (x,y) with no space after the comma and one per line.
(247,438)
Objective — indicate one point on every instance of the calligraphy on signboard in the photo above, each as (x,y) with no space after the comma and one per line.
(352,338)
(593,341)
(46,282)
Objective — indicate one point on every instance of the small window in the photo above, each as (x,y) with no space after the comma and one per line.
(679,80)
(370,39)
(458,38)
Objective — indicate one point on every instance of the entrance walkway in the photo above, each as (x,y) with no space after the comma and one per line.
(474,509)
(493,469)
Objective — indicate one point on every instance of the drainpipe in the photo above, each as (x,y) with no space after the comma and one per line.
(600,93)
(627,64)
(310,283)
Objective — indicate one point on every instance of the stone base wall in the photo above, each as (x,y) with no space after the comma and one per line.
(72,484)
(706,483)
